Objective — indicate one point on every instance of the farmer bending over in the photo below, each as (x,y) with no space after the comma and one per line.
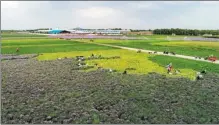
(169,68)
(125,72)
(204,71)
(199,76)
(17,50)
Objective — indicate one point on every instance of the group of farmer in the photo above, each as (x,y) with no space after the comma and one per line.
(170,69)
(198,77)
(169,66)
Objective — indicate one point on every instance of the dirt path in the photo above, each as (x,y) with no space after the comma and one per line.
(158,53)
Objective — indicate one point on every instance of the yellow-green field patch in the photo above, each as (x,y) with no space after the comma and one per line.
(128,59)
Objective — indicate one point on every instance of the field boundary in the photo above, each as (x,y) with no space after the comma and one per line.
(157,52)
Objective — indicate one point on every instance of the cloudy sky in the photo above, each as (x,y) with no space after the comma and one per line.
(110,14)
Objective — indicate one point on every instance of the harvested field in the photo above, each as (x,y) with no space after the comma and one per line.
(51,92)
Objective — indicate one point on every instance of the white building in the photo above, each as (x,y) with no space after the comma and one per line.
(99,31)
(91,31)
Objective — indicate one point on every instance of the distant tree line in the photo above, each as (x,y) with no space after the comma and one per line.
(43,29)
(31,31)
(139,30)
(116,29)
(192,32)
(9,30)
(212,36)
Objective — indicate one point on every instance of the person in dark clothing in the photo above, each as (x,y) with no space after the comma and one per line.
(139,51)
(204,71)
(125,72)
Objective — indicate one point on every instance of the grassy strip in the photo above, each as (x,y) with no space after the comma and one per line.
(24,42)
(53,49)
(14,38)
(8,35)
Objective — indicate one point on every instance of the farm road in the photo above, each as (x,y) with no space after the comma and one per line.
(158,53)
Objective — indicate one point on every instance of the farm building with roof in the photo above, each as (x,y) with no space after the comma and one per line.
(58,31)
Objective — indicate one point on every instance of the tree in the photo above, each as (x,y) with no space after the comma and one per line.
(179,31)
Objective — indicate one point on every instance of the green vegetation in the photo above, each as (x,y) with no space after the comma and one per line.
(32,42)
(190,48)
(185,63)
(185,32)
(46,92)
(149,36)
(128,59)
(20,35)
(35,46)
(50,92)
(155,36)
(212,36)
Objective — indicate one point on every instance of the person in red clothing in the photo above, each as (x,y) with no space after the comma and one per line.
(169,68)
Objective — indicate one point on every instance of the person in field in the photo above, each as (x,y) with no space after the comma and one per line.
(169,68)
(125,72)
(17,50)
(204,71)
(199,76)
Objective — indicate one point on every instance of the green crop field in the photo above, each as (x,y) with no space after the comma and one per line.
(48,89)
(128,59)
(21,35)
(56,48)
(185,63)
(36,46)
(191,48)
(160,36)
